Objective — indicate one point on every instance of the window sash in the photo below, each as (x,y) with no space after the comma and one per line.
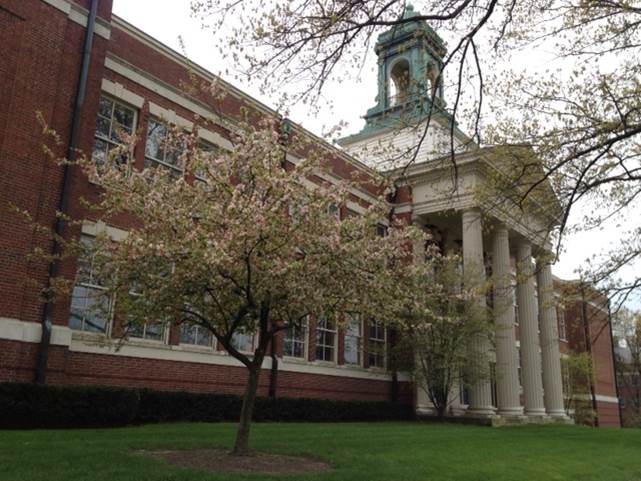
(326,336)
(295,342)
(195,335)
(90,311)
(352,354)
(377,344)
(148,331)
(151,158)
(84,299)
(110,138)
(243,341)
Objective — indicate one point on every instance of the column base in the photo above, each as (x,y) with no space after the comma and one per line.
(535,412)
(510,412)
(481,412)
(560,417)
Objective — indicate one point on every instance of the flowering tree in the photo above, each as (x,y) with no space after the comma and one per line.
(439,319)
(241,242)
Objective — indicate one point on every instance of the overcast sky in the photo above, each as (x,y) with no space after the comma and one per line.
(167,20)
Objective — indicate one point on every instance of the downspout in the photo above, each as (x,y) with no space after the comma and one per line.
(588,348)
(59,225)
(614,365)
(273,373)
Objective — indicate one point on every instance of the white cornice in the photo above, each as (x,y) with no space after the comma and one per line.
(80,15)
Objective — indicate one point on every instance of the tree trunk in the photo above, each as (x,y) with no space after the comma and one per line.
(241,447)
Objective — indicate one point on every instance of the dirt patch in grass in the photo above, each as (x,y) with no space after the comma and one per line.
(220,460)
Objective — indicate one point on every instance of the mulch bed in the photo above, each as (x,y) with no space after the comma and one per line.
(220,460)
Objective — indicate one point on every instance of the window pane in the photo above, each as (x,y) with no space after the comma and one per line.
(187,334)
(243,342)
(102,126)
(105,107)
(97,311)
(351,350)
(155,138)
(99,149)
(203,337)
(124,117)
(153,331)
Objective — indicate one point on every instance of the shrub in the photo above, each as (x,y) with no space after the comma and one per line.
(30,405)
(52,406)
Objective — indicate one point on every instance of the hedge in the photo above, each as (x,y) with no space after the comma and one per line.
(60,406)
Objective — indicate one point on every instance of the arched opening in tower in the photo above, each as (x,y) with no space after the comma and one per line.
(399,85)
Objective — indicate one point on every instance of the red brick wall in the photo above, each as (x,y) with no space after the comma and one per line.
(593,312)
(608,414)
(39,68)
(69,367)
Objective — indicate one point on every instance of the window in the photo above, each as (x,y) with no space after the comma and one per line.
(381,230)
(151,331)
(90,306)
(295,342)
(334,211)
(376,344)
(353,335)
(560,312)
(196,335)
(325,339)
(243,341)
(158,149)
(207,149)
(113,117)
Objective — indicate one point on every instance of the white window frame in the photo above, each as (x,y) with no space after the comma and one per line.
(302,328)
(322,333)
(111,142)
(354,317)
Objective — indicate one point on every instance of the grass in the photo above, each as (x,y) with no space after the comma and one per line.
(360,452)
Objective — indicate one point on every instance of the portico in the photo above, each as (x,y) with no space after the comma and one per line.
(506,250)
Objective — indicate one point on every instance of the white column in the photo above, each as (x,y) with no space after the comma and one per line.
(474,277)
(507,367)
(531,357)
(551,357)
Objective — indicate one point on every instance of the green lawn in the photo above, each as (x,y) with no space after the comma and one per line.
(360,452)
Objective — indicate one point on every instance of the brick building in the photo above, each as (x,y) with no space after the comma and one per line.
(132,81)
(585,326)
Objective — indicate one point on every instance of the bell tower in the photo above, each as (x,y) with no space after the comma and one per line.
(410,62)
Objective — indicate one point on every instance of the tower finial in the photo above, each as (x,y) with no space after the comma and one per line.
(409,11)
